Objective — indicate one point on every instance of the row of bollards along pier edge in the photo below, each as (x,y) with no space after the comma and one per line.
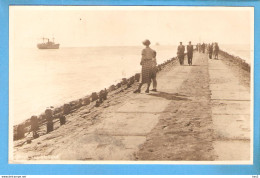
(53,115)
(236,60)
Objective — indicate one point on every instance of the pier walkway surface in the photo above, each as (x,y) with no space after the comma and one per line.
(199,113)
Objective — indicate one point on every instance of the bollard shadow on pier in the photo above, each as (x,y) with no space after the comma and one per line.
(170,96)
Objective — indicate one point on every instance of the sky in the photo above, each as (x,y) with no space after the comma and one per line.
(116,26)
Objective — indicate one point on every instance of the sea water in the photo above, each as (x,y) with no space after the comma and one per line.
(44,78)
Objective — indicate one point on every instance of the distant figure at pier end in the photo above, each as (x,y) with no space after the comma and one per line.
(215,50)
(190,53)
(180,53)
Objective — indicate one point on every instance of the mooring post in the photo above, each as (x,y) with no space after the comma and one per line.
(49,119)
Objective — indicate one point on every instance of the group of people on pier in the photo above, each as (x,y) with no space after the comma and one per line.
(212,49)
(148,60)
(181,53)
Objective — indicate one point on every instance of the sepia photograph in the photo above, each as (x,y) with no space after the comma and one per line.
(131,85)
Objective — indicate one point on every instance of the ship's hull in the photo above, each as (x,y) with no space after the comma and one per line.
(47,46)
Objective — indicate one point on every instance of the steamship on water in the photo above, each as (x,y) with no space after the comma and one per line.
(48,44)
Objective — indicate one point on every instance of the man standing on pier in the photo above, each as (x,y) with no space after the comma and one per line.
(190,53)
(203,46)
(210,49)
(215,50)
(180,53)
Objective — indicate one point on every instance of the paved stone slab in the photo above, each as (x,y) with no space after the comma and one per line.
(223,81)
(230,107)
(232,150)
(126,124)
(166,85)
(220,73)
(230,95)
(227,87)
(217,64)
(144,106)
(142,96)
(232,126)
(173,77)
(216,68)
(102,147)
(165,90)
